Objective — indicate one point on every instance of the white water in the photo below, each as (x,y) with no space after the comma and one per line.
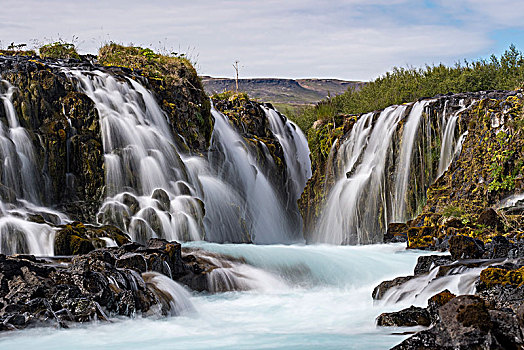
(365,198)
(23,188)
(154,190)
(296,151)
(449,142)
(323,301)
(261,206)
(411,127)
(350,214)
(174,295)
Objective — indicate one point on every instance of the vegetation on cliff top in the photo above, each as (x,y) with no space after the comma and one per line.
(150,64)
(59,49)
(403,85)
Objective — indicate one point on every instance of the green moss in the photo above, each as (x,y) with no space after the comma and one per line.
(29,53)
(60,50)
(177,86)
(231,96)
(493,276)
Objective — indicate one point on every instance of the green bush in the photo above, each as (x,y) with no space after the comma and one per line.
(59,49)
(403,85)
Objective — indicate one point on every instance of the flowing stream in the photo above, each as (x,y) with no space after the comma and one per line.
(320,296)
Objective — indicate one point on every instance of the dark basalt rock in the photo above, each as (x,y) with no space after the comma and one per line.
(77,238)
(466,322)
(489,217)
(64,127)
(499,247)
(397,232)
(97,285)
(464,247)
(436,301)
(382,288)
(428,262)
(410,317)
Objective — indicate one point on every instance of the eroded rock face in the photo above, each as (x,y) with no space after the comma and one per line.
(97,285)
(466,322)
(410,317)
(63,125)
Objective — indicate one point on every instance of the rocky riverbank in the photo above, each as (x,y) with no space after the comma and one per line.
(107,282)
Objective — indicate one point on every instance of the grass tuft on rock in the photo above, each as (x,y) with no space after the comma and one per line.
(59,50)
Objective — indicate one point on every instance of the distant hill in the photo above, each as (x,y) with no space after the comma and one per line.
(282,91)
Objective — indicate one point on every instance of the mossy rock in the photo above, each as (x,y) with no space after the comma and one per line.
(72,240)
(493,276)
(421,237)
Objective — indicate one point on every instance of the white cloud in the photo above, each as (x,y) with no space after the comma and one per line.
(352,39)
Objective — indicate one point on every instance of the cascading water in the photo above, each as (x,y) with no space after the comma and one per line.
(263,212)
(383,168)
(325,301)
(150,193)
(174,299)
(350,214)
(448,140)
(156,191)
(22,188)
(296,151)
(411,127)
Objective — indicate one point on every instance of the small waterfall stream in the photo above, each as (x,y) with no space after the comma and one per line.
(359,195)
(22,189)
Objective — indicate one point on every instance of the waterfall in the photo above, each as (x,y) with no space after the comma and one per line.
(405,158)
(22,188)
(384,166)
(350,215)
(19,170)
(173,298)
(149,191)
(448,140)
(296,150)
(262,208)
(155,190)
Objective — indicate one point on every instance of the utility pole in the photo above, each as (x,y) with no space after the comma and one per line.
(236,70)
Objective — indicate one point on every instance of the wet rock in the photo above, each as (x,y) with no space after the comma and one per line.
(464,247)
(132,261)
(467,323)
(502,286)
(131,202)
(410,317)
(397,232)
(490,218)
(422,237)
(426,339)
(77,238)
(163,199)
(72,240)
(426,263)
(436,301)
(499,247)
(380,290)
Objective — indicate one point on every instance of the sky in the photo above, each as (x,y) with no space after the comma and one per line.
(345,39)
